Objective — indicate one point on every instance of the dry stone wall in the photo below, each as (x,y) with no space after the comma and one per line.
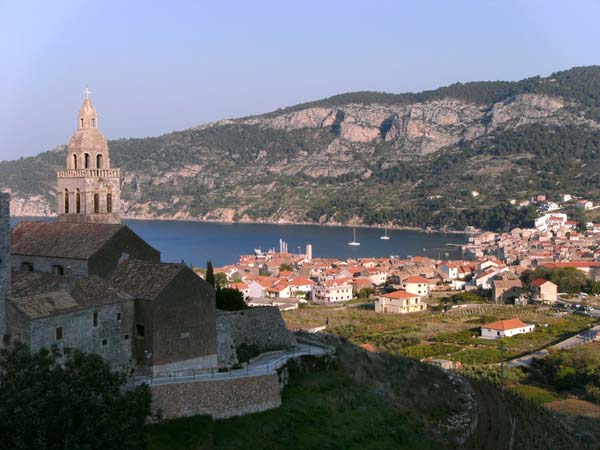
(261,326)
(217,398)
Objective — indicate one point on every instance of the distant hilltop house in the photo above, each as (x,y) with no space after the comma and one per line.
(543,291)
(584,204)
(505,328)
(417,285)
(506,291)
(400,302)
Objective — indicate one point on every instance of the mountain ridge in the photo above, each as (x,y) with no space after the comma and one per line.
(408,160)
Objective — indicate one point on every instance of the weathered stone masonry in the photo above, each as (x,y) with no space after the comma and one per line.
(217,398)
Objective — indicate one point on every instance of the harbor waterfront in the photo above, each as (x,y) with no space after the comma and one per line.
(195,242)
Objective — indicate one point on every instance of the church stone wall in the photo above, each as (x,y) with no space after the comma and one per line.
(217,398)
(77,267)
(4,262)
(112,338)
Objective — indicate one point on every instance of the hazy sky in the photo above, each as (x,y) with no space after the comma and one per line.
(159,66)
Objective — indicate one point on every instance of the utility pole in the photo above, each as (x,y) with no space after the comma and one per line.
(502,368)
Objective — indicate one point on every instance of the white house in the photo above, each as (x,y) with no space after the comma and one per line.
(505,328)
(416,285)
(337,290)
(399,302)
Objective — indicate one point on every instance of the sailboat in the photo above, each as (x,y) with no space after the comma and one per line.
(385,237)
(354,240)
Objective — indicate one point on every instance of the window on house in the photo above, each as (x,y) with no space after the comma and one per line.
(139,330)
(119,317)
(26,267)
(104,342)
(96,203)
(125,337)
(58,270)
(109,202)
(95,320)
(59,333)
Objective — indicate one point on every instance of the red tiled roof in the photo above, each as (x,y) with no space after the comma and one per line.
(399,294)
(416,279)
(503,325)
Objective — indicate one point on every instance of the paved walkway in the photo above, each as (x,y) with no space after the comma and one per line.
(264,364)
(581,338)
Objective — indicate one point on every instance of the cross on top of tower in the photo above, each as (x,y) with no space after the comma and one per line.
(87,92)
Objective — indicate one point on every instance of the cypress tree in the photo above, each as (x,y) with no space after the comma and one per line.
(210,274)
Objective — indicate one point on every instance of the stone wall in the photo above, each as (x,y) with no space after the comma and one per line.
(217,398)
(262,326)
(4,262)
(77,267)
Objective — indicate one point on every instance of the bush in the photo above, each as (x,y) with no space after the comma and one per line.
(229,299)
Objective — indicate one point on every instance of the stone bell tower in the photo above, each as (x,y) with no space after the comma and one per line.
(89,190)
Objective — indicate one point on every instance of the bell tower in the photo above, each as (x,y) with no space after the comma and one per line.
(89,190)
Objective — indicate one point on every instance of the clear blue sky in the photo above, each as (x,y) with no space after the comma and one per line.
(155,67)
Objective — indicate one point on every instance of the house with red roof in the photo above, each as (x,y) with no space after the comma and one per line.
(417,284)
(505,328)
(400,302)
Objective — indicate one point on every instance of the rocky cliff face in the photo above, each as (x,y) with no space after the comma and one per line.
(348,162)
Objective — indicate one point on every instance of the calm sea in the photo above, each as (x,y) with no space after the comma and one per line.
(195,242)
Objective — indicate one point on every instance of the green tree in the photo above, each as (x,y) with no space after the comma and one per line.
(229,299)
(220,279)
(286,267)
(210,274)
(70,401)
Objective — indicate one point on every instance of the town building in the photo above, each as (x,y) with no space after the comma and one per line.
(335,290)
(400,302)
(543,291)
(506,291)
(416,285)
(505,328)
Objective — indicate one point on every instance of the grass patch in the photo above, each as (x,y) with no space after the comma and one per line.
(355,401)
(536,393)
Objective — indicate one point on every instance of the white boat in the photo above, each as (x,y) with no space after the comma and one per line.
(385,237)
(354,240)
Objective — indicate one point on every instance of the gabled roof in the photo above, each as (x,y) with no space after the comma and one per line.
(540,282)
(503,325)
(399,294)
(61,239)
(39,295)
(416,279)
(144,280)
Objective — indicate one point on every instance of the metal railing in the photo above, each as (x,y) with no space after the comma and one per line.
(251,369)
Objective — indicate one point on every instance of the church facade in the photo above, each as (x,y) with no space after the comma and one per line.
(86,281)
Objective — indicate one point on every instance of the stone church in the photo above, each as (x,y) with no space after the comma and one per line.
(86,281)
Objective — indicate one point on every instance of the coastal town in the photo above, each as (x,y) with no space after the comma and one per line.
(492,264)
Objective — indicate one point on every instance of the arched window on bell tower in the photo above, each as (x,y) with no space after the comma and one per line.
(74,161)
(66,201)
(99,161)
(96,203)
(78,202)
(87,160)
(81,122)
(93,122)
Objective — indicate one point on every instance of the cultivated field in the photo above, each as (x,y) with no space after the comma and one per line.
(452,335)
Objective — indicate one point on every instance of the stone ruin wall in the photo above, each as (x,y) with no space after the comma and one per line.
(262,326)
(217,398)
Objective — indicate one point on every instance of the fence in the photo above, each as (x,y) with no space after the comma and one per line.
(251,369)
